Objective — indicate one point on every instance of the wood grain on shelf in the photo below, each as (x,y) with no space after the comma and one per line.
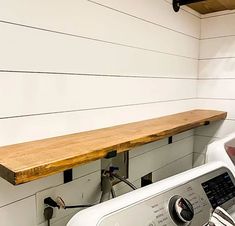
(210,6)
(21,163)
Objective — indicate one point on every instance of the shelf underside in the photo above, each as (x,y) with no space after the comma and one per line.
(210,6)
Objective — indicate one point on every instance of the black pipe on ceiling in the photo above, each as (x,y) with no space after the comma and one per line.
(178,3)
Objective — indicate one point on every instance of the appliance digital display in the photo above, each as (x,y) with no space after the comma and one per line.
(219,189)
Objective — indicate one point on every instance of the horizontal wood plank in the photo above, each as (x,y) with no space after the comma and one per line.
(52,93)
(21,163)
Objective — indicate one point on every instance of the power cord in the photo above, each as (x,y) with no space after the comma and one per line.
(123,180)
(61,204)
(108,175)
(48,213)
(111,173)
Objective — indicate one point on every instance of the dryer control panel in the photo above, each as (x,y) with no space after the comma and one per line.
(188,203)
(219,190)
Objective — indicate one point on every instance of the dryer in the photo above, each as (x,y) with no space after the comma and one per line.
(185,199)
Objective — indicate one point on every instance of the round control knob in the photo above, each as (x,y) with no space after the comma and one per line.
(184,210)
(181,210)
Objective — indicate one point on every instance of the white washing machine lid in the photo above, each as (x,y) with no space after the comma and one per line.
(92,216)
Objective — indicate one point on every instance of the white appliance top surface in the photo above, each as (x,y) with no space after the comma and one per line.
(149,206)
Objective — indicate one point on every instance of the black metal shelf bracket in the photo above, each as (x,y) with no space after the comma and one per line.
(177,3)
(111,154)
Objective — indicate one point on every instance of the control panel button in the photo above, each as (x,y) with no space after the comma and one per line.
(219,190)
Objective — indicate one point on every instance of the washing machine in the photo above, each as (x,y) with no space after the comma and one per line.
(223,150)
(188,198)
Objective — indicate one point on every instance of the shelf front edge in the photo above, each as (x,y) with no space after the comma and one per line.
(26,175)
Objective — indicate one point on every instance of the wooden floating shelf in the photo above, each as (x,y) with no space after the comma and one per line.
(21,163)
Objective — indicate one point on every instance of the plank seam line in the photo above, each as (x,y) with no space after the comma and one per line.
(218,37)
(93,74)
(214,78)
(216,58)
(18,200)
(92,109)
(95,39)
(170,163)
(214,98)
(185,156)
(164,145)
(58,185)
(145,20)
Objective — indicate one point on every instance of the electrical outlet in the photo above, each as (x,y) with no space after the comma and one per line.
(85,190)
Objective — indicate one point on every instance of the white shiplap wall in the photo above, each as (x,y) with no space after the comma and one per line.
(73,66)
(216,76)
